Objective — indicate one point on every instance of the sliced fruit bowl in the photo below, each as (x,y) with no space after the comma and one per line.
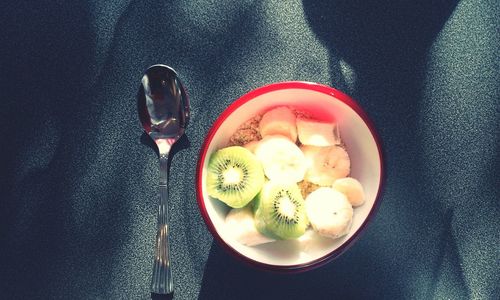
(299,129)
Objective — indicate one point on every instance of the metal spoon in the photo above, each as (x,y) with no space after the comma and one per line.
(164,113)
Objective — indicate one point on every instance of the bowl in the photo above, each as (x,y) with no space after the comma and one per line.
(361,141)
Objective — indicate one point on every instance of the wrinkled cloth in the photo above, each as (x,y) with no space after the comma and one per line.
(78,178)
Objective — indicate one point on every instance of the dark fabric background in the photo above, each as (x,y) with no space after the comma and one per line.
(78,177)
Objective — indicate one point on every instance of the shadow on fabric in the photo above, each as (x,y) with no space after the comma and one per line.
(46,120)
(227,278)
(162,297)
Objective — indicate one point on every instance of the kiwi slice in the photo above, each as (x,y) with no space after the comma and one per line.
(234,176)
(280,211)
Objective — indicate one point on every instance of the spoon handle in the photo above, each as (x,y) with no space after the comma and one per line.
(161,282)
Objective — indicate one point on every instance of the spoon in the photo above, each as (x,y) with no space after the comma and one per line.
(164,113)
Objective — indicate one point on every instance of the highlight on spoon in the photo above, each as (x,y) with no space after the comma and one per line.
(163,104)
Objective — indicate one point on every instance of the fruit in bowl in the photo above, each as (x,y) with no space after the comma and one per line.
(289,175)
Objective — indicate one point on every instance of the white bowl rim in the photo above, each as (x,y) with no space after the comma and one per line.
(248,97)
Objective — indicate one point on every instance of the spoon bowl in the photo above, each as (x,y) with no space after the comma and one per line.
(163,104)
(164,112)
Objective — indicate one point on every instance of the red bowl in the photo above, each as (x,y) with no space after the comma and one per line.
(362,143)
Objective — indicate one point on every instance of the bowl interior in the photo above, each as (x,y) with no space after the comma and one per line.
(365,166)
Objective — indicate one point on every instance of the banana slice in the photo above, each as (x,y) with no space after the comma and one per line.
(281,158)
(352,188)
(325,164)
(240,225)
(315,133)
(329,212)
(281,121)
